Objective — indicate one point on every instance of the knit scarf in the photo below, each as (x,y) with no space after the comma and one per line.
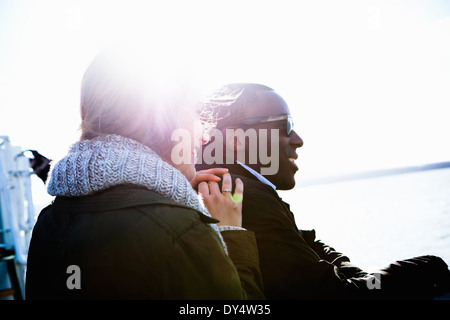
(103,162)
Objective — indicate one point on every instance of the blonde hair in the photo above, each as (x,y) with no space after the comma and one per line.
(121,96)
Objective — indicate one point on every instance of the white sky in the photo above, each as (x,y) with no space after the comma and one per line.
(367,81)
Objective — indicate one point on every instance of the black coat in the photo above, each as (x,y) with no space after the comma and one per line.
(132,243)
(295,265)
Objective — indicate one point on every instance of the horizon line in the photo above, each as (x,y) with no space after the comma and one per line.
(371,174)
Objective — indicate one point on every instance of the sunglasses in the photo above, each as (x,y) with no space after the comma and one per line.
(287,118)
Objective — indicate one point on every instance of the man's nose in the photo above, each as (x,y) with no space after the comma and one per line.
(295,140)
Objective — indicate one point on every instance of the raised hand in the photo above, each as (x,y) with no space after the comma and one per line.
(221,204)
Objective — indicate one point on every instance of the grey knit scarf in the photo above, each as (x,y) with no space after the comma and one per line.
(100,163)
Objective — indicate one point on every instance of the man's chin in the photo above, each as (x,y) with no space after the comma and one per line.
(286,184)
(287,187)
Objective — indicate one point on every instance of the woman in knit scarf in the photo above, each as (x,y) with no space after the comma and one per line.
(126,222)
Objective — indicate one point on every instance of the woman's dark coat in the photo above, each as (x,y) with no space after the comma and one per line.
(132,243)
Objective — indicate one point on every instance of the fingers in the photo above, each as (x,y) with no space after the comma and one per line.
(208,175)
(226,183)
(238,195)
(239,187)
(204,177)
(214,188)
(203,188)
(217,171)
(221,204)
(210,189)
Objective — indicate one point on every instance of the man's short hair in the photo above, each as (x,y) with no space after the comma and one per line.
(229,104)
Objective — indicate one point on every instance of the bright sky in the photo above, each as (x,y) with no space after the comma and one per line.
(367,81)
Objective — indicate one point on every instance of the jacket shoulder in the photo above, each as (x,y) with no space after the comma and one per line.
(176,220)
(130,200)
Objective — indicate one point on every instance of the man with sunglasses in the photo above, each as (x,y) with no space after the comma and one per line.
(293,263)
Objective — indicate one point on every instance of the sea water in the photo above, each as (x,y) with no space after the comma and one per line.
(379,220)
